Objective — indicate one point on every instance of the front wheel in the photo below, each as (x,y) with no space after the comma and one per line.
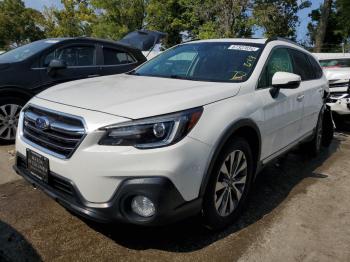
(10,109)
(228,185)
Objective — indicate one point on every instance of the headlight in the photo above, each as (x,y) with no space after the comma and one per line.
(152,132)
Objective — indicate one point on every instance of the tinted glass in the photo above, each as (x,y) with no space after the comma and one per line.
(302,66)
(335,62)
(316,67)
(279,61)
(115,57)
(73,56)
(24,52)
(215,61)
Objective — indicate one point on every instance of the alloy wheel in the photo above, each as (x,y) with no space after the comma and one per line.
(9,115)
(230,183)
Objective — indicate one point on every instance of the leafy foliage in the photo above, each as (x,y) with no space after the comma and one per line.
(278,17)
(116,18)
(180,19)
(337,29)
(74,19)
(18,24)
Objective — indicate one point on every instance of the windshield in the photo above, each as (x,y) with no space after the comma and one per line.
(335,63)
(23,52)
(205,61)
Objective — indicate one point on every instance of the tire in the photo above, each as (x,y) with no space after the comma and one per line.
(328,127)
(233,190)
(313,148)
(9,113)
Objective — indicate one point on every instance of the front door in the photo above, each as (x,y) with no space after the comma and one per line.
(282,114)
(80,60)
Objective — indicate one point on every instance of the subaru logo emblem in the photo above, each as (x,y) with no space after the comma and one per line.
(42,123)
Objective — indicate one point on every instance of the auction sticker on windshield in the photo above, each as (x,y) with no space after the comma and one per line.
(244,48)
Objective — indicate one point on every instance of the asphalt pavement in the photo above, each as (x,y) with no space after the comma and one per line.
(299,210)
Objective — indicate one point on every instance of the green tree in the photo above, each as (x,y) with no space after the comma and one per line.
(18,24)
(199,18)
(224,18)
(74,19)
(323,32)
(278,17)
(343,10)
(330,27)
(167,16)
(116,18)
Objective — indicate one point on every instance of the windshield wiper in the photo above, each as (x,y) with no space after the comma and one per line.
(133,72)
(178,77)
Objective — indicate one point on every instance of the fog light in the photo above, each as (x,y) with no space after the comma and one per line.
(143,206)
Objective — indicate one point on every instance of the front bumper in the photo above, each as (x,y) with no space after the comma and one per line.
(170,205)
(340,106)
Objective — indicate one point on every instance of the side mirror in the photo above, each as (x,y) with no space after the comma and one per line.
(284,80)
(56,64)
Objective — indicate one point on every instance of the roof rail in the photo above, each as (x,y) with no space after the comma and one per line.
(277,38)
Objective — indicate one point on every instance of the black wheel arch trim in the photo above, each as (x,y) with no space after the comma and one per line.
(230,130)
(16,92)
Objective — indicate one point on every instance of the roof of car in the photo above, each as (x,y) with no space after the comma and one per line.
(263,41)
(61,39)
(241,40)
(332,55)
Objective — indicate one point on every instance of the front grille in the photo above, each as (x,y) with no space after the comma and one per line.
(346,84)
(61,135)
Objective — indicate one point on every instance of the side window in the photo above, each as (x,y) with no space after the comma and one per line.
(115,57)
(279,61)
(302,66)
(48,59)
(73,56)
(316,67)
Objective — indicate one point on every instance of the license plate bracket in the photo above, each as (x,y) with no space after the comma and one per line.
(38,165)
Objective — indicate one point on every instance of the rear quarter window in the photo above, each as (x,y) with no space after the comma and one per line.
(116,57)
(316,67)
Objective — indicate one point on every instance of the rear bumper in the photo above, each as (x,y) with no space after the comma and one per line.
(170,206)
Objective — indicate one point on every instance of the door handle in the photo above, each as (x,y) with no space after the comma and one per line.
(300,98)
(90,76)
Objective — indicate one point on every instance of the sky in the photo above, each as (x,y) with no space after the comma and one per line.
(301,30)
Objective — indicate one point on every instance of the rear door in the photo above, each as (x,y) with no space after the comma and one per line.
(312,86)
(80,59)
(116,61)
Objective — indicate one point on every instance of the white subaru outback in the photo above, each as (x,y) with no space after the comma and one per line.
(183,134)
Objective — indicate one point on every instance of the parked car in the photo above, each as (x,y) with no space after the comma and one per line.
(183,134)
(337,70)
(32,68)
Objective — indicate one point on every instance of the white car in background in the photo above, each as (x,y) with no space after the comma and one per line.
(336,67)
(1,52)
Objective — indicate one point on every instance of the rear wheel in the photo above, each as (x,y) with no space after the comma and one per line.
(229,185)
(10,109)
(313,147)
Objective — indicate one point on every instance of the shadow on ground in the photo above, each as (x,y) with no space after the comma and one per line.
(271,188)
(14,247)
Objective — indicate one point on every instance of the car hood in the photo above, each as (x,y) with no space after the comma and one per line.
(138,96)
(337,74)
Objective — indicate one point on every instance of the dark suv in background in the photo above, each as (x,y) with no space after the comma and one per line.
(29,69)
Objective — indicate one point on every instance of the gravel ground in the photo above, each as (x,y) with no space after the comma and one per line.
(299,211)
